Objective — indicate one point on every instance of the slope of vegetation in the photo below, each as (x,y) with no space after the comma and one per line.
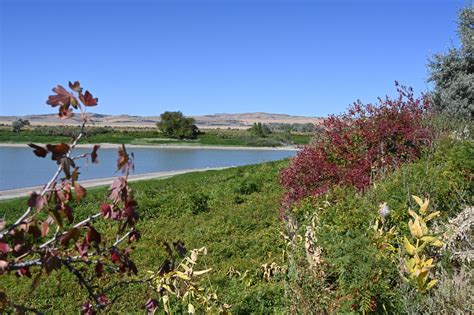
(232,212)
(357,259)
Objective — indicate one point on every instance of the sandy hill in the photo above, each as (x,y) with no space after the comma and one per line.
(222,120)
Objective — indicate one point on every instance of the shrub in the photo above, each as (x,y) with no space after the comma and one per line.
(198,203)
(247,187)
(360,145)
(17,125)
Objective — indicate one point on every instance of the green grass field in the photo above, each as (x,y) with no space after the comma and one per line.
(221,137)
(240,229)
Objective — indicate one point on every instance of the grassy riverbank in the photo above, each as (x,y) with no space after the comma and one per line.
(150,136)
(233,212)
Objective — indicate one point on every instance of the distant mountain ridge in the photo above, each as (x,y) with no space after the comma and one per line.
(219,120)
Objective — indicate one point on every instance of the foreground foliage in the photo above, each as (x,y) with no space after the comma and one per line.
(240,230)
(351,252)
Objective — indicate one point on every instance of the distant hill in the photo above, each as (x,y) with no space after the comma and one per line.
(222,120)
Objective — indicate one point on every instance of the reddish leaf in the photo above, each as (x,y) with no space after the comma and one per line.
(38,150)
(72,234)
(44,228)
(33,229)
(94,154)
(118,190)
(58,150)
(150,305)
(62,98)
(105,210)
(66,211)
(122,161)
(23,272)
(64,194)
(50,262)
(82,248)
(115,257)
(76,87)
(75,174)
(80,191)
(65,112)
(103,299)
(87,308)
(66,164)
(4,248)
(92,236)
(87,99)
(3,266)
(129,212)
(36,201)
(134,236)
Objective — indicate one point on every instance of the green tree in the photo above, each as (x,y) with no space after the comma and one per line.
(20,123)
(260,130)
(453,72)
(175,125)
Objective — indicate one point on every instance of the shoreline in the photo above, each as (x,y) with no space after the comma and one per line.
(163,146)
(90,183)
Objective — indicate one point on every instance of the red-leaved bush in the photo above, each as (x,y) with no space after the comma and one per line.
(359,145)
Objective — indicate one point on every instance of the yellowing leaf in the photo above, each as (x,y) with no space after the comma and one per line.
(418,200)
(415,228)
(432,215)
(428,263)
(201,272)
(182,275)
(413,214)
(191,309)
(424,228)
(424,206)
(437,243)
(431,284)
(409,247)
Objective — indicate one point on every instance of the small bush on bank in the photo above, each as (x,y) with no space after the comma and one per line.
(198,203)
(360,145)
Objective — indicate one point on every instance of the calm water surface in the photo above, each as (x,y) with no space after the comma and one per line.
(19,167)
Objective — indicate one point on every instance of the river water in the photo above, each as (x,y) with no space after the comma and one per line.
(19,167)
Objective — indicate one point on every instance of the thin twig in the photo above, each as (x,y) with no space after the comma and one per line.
(83,282)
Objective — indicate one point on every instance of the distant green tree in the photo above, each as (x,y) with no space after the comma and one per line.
(453,72)
(260,130)
(17,125)
(175,125)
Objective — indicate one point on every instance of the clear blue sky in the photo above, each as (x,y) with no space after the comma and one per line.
(202,57)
